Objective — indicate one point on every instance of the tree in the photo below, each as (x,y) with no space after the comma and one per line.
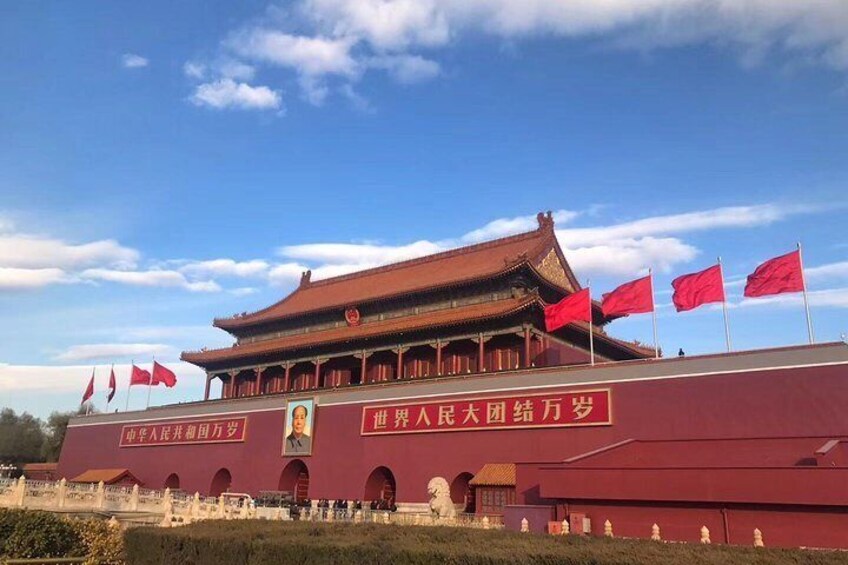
(54,436)
(21,437)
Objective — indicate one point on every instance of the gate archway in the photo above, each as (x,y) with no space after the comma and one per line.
(295,479)
(173,481)
(380,485)
(463,493)
(220,482)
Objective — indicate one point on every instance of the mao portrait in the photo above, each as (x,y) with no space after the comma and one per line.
(298,433)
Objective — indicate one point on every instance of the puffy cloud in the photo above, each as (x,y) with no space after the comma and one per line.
(151,278)
(314,56)
(33,252)
(133,61)
(832,298)
(225,268)
(108,351)
(406,69)
(630,256)
(353,253)
(503,227)
(227,93)
(827,272)
(22,279)
(194,70)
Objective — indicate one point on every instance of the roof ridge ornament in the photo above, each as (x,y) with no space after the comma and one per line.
(546,220)
(305,278)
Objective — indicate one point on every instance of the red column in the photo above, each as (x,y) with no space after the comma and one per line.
(232,384)
(481,356)
(317,382)
(526,346)
(363,376)
(287,379)
(438,358)
(208,381)
(258,382)
(400,363)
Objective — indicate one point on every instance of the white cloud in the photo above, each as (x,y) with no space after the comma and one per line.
(23,279)
(151,278)
(243,291)
(352,253)
(629,256)
(194,70)
(314,56)
(831,298)
(33,252)
(286,274)
(503,227)
(227,93)
(225,268)
(133,61)
(827,272)
(406,69)
(109,351)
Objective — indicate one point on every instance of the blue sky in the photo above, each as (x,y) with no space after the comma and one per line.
(165,163)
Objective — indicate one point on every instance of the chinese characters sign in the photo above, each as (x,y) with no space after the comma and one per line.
(581,408)
(224,430)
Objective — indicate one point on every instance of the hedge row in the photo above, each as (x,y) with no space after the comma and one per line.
(260,543)
(42,535)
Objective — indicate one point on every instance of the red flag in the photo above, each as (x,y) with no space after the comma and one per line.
(576,306)
(139,376)
(776,276)
(695,289)
(112,386)
(634,297)
(89,390)
(162,374)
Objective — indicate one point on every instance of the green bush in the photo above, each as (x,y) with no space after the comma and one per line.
(37,535)
(103,543)
(266,543)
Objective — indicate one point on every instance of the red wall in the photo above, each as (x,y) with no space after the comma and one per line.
(779,403)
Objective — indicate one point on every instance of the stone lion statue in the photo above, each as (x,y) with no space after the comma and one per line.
(441,504)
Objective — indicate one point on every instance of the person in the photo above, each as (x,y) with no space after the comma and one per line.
(297,441)
(681,353)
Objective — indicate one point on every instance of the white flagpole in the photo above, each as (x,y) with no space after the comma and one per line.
(654,312)
(150,382)
(724,307)
(129,386)
(806,301)
(591,332)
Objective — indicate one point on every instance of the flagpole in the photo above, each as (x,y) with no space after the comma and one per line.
(591,332)
(724,306)
(88,402)
(806,301)
(129,386)
(654,312)
(150,382)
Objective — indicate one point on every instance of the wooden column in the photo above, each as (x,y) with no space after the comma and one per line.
(317,382)
(438,358)
(481,355)
(527,336)
(206,392)
(232,384)
(400,351)
(287,378)
(258,381)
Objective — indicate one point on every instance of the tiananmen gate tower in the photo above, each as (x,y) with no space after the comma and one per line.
(367,385)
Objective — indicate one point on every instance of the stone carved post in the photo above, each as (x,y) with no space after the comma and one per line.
(101,494)
(113,522)
(758,538)
(221,513)
(525,525)
(134,499)
(608,529)
(357,517)
(386,518)
(194,511)
(485,522)
(655,533)
(21,491)
(61,492)
(566,527)
(705,534)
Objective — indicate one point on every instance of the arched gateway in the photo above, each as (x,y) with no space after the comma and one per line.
(220,482)
(463,493)
(173,481)
(295,479)
(380,485)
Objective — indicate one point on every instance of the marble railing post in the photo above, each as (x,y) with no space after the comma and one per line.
(134,499)
(21,491)
(61,492)
(194,511)
(101,495)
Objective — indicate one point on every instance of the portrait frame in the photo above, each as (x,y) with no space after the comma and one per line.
(302,445)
